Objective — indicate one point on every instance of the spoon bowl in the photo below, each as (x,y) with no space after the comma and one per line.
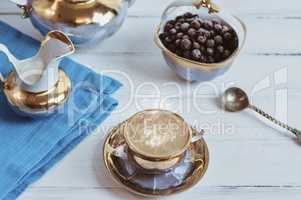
(235,99)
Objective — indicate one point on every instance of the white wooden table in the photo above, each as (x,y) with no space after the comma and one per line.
(248,159)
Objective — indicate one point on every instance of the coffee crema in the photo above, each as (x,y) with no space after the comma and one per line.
(157,134)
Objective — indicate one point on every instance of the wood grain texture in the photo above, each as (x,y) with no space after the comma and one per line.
(156,7)
(249,159)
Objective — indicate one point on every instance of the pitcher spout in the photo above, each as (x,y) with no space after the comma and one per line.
(57,45)
(41,71)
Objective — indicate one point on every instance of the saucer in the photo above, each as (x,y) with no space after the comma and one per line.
(126,172)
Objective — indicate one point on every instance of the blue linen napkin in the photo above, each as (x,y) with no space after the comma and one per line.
(29,147)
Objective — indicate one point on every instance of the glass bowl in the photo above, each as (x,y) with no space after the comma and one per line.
(192,70)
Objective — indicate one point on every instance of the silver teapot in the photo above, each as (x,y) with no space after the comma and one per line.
(84,21)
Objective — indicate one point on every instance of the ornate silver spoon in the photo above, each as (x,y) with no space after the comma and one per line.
(235,99)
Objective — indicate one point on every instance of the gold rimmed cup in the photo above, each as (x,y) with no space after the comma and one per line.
(157,139)
(155,153)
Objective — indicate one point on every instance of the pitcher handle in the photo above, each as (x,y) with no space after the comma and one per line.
(10,57)
(23,4)
(197,135)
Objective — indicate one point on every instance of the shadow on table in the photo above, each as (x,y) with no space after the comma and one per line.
(105,180)
(259,119)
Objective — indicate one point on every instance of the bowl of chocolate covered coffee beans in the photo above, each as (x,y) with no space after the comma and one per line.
(199,41)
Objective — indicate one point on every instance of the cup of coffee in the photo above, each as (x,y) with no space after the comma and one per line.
(158,139)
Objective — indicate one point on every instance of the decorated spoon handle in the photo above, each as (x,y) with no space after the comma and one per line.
(279,123)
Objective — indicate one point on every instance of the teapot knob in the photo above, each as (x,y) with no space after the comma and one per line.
(24,6)
(26,11)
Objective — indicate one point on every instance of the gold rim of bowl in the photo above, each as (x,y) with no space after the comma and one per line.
(198,65)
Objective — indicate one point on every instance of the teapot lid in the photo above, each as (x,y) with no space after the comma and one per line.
(77,12)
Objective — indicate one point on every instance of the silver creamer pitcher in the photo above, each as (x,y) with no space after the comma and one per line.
(36,86)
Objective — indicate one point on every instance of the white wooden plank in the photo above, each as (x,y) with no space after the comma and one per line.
(265,36)
(206,193)
(156,7)
(241,158)
(155,70)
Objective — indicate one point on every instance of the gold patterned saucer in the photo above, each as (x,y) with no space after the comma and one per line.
(186,173)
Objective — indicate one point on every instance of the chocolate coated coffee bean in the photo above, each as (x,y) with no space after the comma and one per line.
(204,32)
(202,40)
(208,24)
(186,44)
(210,43)
(178,42)
(171,22)
(216,21)
(227,53)
(162,36)
(225,29)
(180,35)
(218,28)
(186,37)
(196,45)
(189,20)
(185,26)
(179,17)
(168,26)
(227,36)
(172,31)
(218,39)
(202,21)
(173,47)
(210,51)
(220,49)
(178,27)
(168,39)
(188,15)
(196,54)
(203,59)
(191,32)
(203,49)
(196,24)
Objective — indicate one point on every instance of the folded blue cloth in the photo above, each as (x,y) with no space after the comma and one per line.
(29,147)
